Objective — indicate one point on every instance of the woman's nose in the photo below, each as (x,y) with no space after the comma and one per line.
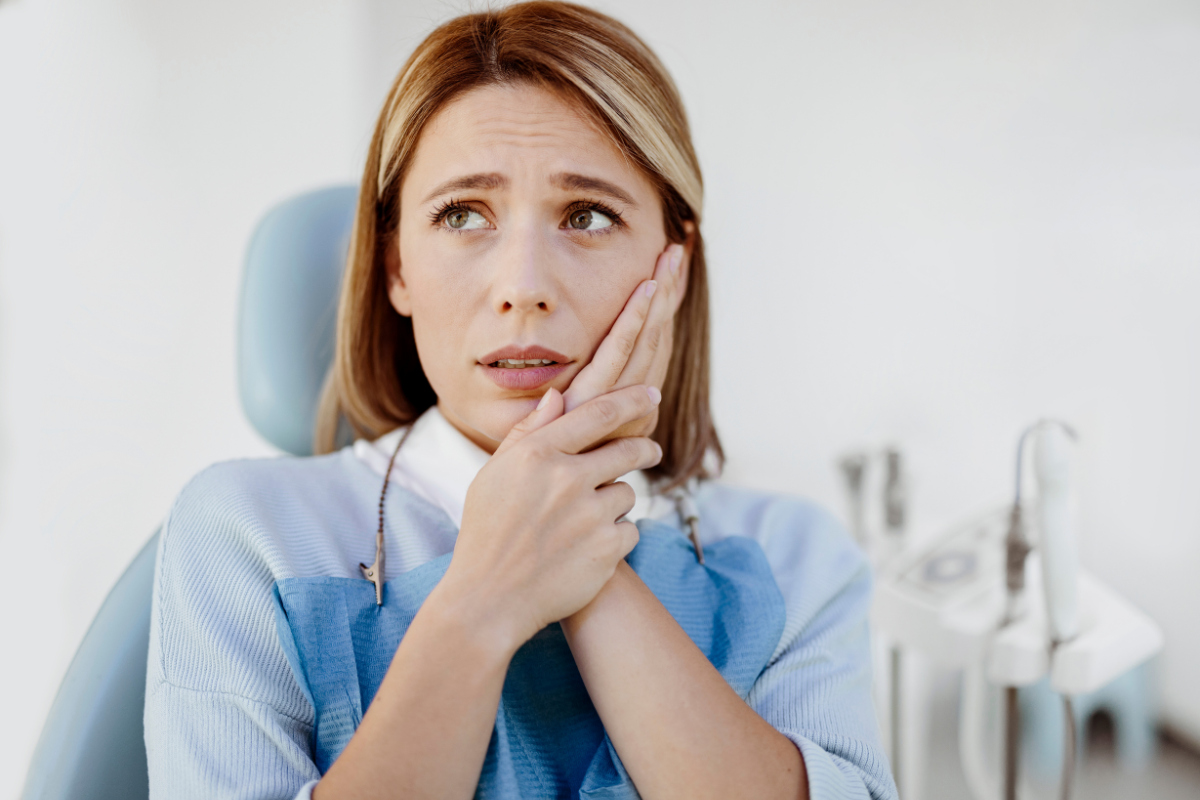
(525,276)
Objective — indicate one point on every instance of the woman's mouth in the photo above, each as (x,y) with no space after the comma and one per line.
(523,368)
(521,363)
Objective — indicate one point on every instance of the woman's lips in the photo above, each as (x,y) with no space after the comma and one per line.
(525,378)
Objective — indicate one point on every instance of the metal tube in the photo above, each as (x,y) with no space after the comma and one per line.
(894,720)
(1068,773)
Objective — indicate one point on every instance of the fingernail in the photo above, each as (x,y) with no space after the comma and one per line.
(651,286)
(545,399)
(655,394)
(658,447)
(676,258)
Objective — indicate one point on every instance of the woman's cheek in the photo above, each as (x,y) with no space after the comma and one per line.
(439,324)
(598,302)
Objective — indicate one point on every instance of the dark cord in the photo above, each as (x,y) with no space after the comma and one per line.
(374,573)
(387,476)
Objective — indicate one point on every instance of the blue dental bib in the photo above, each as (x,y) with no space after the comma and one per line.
(548,741)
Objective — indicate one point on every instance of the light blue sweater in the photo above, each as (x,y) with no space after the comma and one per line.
(226,717)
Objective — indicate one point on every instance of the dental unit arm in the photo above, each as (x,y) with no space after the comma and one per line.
(1056,521)
(963,600)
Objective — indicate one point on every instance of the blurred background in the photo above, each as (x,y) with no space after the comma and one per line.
(929,223)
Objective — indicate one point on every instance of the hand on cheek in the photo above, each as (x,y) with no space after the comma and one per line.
(637,349)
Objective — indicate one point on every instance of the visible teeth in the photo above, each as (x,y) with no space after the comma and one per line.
(519,363)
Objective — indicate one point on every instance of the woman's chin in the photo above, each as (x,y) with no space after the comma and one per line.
(489,425)
(502,415)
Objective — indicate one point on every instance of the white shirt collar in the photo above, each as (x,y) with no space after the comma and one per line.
(438,464)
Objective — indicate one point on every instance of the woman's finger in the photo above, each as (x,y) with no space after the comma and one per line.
(617,498)
(629,537)
(620,457)
(596,419)
(659,318)
(601,374)
(548,409)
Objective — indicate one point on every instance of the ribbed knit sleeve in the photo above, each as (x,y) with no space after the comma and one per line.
(224,716)
(213,745)
(817,688)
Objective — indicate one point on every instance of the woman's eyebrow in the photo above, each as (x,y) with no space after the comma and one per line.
(571,181)
(481,180)
(568,181)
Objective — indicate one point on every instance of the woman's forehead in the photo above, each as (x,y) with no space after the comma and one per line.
(523,136)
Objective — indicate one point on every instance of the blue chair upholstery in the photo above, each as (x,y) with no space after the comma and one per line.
(288,309)
(92,745)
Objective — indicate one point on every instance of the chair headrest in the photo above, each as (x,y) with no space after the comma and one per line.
(287,312)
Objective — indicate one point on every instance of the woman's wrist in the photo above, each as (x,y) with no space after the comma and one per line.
(473,612)
(617,584)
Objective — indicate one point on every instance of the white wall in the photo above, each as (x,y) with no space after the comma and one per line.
(929,223)
(139,143)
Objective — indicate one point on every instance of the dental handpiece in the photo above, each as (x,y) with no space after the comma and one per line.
(1056,518)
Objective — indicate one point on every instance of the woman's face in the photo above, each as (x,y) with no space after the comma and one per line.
(523,232)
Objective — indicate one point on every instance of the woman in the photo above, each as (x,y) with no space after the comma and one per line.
(523,321)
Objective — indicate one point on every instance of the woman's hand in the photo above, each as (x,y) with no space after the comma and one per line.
(637,349)
(540,536)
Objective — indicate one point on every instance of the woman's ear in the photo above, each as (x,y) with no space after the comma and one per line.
(397,289)
(685,265)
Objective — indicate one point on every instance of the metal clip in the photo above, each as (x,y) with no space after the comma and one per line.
(374,573)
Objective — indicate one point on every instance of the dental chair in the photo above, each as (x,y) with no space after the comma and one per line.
(92,746)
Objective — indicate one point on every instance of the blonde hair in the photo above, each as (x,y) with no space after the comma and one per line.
(376,382)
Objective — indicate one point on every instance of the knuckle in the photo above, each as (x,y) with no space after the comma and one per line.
(654,335)
(528,455)
(533,457)
(629,450)
(639,427)
(561,474)
(627,497)
(605,412)
(625,344)
(634,401)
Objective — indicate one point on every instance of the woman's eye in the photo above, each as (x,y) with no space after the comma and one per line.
(464,219)
(585,219)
